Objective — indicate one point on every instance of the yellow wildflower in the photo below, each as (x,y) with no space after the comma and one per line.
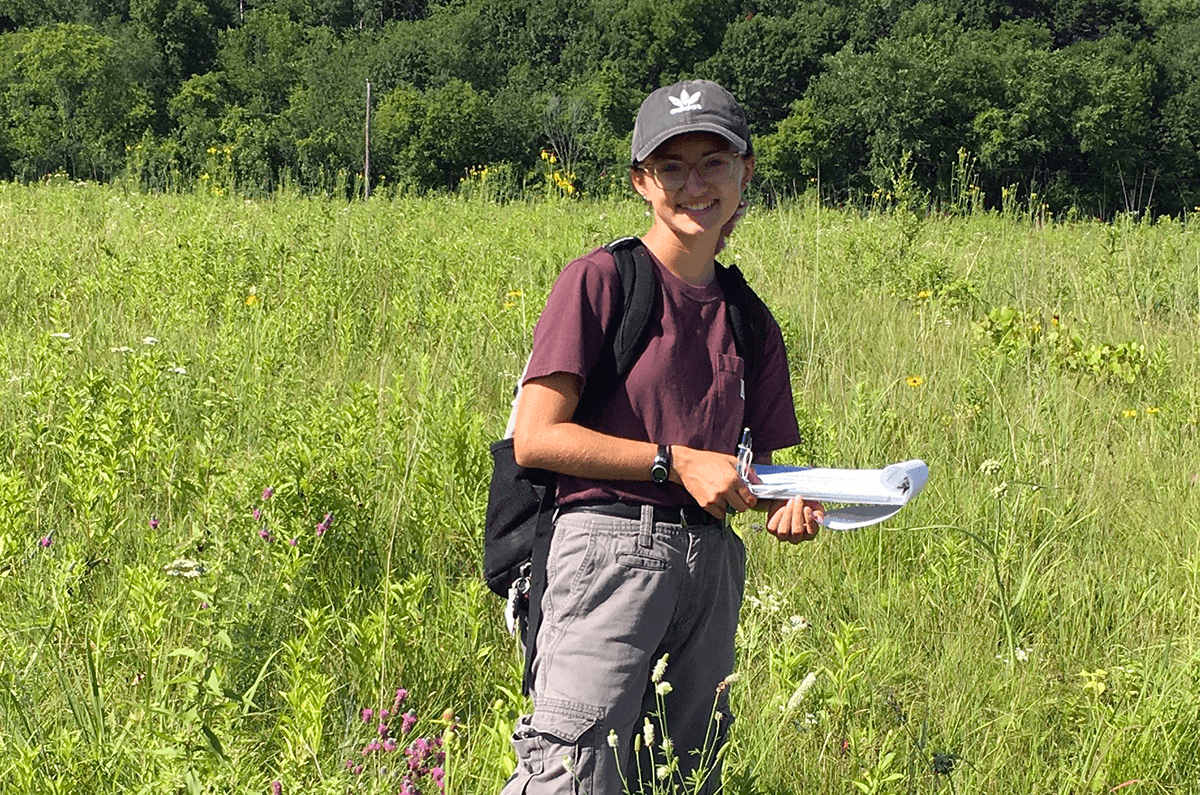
(915,381)
(1128,413)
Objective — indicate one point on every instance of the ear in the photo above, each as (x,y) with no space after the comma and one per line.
(637,178)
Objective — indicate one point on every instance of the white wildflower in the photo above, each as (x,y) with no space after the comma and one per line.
(61,335)
(121,349)
(660,668)
(612,738)
(663,688)
(648,733)
(179,370)
(149,341)
(990,467)
(797,624)
(801,691)
(183,567)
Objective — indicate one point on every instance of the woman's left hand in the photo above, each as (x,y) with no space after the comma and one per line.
(794,520)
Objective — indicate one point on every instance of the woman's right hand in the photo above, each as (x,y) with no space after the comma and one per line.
(712,480)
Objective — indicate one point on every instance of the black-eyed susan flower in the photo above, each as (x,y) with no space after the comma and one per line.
(914,381)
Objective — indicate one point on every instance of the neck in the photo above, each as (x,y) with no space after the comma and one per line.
(692,259)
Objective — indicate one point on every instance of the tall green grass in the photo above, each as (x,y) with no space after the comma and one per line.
(1030,624)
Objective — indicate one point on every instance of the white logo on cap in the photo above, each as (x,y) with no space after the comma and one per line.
(684,102)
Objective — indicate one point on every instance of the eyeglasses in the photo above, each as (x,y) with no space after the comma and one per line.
(673,174)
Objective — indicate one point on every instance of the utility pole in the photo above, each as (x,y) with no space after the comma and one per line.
(367,148)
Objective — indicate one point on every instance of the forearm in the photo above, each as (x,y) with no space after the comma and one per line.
(571,449)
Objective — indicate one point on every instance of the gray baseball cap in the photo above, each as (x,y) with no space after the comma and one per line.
(689,106)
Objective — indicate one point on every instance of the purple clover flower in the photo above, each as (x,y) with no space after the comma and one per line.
(408,721)
(257,515)
(324,524)
(265,535)
(46,541)
(276,788)
(367,714)
(267,492)
(154,523)
(401,696)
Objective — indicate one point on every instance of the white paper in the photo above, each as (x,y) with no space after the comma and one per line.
(867,496)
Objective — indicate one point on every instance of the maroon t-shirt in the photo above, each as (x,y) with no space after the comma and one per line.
(686,387)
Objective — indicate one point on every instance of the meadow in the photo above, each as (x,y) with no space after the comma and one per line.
(244,465)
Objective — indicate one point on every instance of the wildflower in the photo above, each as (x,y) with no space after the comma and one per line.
(662,688)
(914,381)
(184,567)
(265,535)
(990,467)
(401,696)
(61,335)
(179,370)
(648,733)
(438,774)
(1129,413)
(660,668)
(407,721)
(46,541)
(293,542)
(612,738)
(924,294)
(324,524)
(154,523)
(514,294)
(800,692)
(276,788)
(203,605)
(383,730)
(267,492)
(149,341)
(252,296)
(1151,410)
(389,745)
(568,763)
(797,624)
(367,714)
(1000,490)
(121,349)
(257,514)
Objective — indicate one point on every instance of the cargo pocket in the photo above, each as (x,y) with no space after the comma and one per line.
(556,745)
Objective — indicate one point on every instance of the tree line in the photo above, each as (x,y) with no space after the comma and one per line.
(1092,104)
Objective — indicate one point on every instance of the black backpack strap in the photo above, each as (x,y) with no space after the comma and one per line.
(747,317)
(626,338)
(537,582)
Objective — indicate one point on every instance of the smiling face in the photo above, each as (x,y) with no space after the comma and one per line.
(699,207)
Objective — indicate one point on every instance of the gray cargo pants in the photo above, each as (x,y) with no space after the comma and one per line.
(620,594)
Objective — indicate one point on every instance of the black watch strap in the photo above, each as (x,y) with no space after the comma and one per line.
(660,470)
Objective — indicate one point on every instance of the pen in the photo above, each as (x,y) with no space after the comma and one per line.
(744,455)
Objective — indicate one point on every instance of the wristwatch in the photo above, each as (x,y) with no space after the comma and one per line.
(660,470)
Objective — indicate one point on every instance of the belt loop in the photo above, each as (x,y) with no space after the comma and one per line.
(646,532)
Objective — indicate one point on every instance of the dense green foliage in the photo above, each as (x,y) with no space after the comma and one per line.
(1030,624)
(1092,105)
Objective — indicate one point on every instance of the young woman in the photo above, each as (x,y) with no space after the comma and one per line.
(643,565)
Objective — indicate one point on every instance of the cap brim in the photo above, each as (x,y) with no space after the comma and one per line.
(701,126)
